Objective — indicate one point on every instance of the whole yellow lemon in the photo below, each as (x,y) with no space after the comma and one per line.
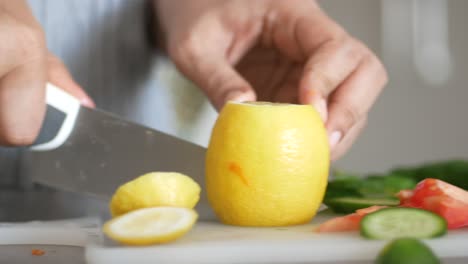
(267,164)
(155,189)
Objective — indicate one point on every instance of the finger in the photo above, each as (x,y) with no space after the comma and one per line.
(345,144)
(354,97)
(299,30)
(22,106)
(219,81)
(326,69)
(227,85)
(330,65)
(215,76)
(207,53)
(22,74)
(59,75)
(329,54)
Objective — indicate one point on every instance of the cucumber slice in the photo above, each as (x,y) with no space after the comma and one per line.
(390,223)
(347,205)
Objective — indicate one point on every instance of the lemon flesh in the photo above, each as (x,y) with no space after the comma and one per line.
(151,225)
(267,164)
(155,189)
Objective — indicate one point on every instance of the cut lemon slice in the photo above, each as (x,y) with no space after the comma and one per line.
(155,189)
(151,225)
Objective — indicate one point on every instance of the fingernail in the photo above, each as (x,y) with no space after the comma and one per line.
(316,99)
(231,96)
(321,108)
(88,102)
(334,138)
(237,96)
(311,93)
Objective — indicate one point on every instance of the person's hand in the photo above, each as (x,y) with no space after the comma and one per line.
(285,51)
(25,67)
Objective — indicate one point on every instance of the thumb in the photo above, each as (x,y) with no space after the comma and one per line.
(216,78)
(58,74)
(222,83)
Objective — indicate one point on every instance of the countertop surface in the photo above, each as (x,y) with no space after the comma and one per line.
(20,206)
(75,255)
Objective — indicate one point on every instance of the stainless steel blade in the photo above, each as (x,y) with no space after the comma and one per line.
(104,151)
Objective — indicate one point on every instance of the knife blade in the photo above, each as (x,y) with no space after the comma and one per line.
(92,152)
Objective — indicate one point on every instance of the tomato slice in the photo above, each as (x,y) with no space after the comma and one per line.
(348,222)
(442,198)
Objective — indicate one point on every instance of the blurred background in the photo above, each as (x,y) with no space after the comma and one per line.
(421,115)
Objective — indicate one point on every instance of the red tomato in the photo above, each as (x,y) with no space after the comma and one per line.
(442,198)
(348,222)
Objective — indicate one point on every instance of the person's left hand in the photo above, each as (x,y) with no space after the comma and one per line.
(277,51)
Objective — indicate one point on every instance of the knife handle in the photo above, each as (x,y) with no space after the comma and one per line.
(61,113)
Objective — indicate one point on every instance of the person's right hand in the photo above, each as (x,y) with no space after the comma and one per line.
(25,67)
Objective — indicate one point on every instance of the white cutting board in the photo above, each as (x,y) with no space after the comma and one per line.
(212,242)
(68,232)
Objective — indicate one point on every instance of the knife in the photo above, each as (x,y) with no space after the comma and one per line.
(92,152)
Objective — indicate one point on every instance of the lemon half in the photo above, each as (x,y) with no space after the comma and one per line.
(151,225)
(155,189)
(267,164)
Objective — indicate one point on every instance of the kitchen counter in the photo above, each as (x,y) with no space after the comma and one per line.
(44,204)
(75,255)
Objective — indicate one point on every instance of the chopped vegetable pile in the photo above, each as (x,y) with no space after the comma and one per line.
(405,204)
(347,192)
(436,196)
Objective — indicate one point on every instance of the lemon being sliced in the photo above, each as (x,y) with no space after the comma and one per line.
(151,225)
(267,164)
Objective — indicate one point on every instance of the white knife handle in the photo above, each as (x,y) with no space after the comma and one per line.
(62,111)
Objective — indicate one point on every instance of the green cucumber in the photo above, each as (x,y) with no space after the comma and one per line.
(406,251)
(390,223)
(347,205)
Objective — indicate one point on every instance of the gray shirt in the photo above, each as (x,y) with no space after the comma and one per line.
(107,48)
